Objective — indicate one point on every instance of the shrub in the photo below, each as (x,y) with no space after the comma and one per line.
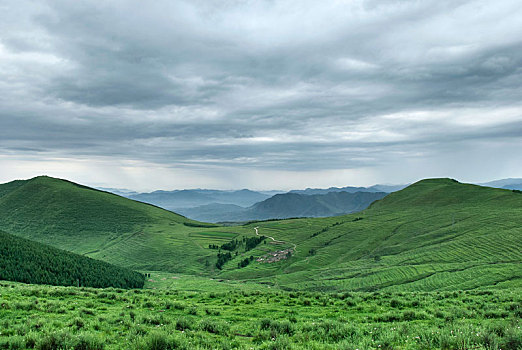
(489,340)
(495,314)
(87,312)
(277,327)
(178,306)
(388,317)
(54,341)
(12,343)
(350,302)
(281,343)
(88,341)
(30,340)
(77,323)
(155,320)
(157,341)
(265,323)
(214,326)
(183,323)
(333,331)
(411,315)
(212,312)
(512,339)
(27,306)
(395,303)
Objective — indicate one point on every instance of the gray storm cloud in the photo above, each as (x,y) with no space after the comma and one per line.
(291,86)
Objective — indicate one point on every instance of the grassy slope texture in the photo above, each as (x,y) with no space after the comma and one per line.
(43,317)
(100,225)
(436,234)
(26,261)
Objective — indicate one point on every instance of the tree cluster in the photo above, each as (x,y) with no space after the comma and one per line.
(222,259)
(327,228)
(252,242)
(245,262)
(230,246)
(249,244)
(22,260)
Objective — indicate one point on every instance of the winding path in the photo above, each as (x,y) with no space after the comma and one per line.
(275,240)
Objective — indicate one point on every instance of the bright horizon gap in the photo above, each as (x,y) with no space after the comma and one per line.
(118,186)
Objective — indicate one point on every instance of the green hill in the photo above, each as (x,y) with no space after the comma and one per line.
(436,234)
(22,260)
(100,225)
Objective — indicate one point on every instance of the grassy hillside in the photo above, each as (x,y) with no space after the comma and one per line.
(101,225)
(22,260)
(434,235)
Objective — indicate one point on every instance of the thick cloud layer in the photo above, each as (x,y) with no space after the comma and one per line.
(260,93)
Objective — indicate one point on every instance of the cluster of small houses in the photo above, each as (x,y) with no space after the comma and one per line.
(275,256)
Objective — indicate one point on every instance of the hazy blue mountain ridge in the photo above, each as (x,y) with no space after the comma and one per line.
(286,205)
(504,183)
(174,200)
(243,205)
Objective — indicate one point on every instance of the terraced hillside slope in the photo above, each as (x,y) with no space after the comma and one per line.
(100,225)
(22,260)
(436,234)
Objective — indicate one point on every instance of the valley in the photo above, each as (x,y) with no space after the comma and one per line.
(433,235)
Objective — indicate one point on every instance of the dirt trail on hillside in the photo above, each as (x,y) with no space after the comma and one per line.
(275,240)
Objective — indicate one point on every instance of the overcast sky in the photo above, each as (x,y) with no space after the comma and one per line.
(260,94)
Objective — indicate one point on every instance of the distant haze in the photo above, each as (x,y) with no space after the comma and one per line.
(260,95)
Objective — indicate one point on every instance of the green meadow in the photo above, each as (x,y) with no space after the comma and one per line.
(44,317)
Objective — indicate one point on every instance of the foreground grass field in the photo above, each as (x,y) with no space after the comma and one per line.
(44,317)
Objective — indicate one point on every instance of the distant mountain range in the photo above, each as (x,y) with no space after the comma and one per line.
(191,198)
(244,205)
(286,205)
(508,184)
(119,191)
(173,200)
(350,189)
